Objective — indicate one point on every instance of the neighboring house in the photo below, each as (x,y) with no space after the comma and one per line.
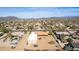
(62,32)
(75,46)
(72,47)
(72,31)
(20,34)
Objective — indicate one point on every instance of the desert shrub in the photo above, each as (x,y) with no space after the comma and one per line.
(35,45)
(50,42)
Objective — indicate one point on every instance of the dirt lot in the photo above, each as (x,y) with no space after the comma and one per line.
(44,43)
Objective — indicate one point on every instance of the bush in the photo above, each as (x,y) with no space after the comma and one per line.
(1,34)
(50,42)
(49,33)
(2,29)
(35,45)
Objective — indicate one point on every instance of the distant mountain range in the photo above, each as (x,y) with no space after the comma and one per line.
(9,18)
(16,18)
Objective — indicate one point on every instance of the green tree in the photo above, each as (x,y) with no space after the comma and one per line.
(3,29)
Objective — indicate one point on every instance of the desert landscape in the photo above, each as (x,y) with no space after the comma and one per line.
(38,31)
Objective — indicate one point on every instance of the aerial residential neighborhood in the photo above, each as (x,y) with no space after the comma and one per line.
(39,34)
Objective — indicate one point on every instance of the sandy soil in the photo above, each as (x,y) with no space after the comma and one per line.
(42,44)
(22,44)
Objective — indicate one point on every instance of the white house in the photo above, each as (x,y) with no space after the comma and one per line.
(32,39)
(61,32)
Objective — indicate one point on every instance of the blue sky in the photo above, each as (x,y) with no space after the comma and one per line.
(38,12)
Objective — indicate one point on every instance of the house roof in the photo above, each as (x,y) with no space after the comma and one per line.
(41,33)
(17,33)
(61,32)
